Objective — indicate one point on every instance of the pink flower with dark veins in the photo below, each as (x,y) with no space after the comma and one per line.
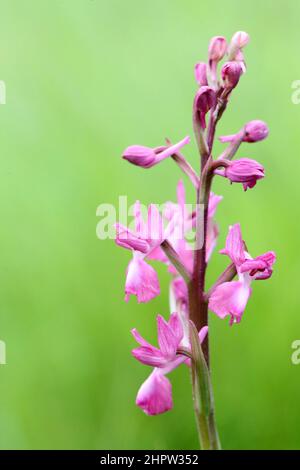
(155,395)
(230,298)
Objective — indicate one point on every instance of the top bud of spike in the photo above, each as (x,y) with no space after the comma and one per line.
(217,48)
(238,42)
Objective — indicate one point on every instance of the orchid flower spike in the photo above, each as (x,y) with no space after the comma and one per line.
(147,157)
(141,278)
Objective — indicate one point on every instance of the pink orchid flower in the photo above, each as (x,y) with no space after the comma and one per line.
(141,278)
(155,395)
(230,298)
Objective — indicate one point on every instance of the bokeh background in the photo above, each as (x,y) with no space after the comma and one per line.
(85,79)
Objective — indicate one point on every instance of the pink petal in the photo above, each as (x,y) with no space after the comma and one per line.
(234,245)
(203,333)
(141,281)
(230,298)
(155,395)
(166,338)
(149,356)
(139,339)
(176,326)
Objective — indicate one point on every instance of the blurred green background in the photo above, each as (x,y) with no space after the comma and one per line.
(85,79)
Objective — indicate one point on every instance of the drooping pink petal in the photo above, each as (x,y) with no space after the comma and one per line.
(167,339)
(172,149)
(234,247)
(230,298)
(155,395)
(141,280)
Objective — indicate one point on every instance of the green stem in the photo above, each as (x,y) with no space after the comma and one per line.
(202,396)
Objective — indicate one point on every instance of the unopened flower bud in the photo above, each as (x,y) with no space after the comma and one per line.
(147,157)
(217,48)
(140,155)
(238,41)
(255,131)
(231,72)
(201,74)
(205,99)
(244,171)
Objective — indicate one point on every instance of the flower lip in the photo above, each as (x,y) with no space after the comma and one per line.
(155,395)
